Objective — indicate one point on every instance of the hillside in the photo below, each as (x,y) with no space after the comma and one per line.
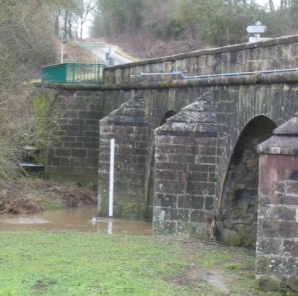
(133,46)
(74,53)
(130,45)
(148,47)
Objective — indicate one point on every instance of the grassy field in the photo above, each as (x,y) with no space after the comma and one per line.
(56,263)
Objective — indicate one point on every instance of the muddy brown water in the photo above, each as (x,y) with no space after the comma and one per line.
(78,219)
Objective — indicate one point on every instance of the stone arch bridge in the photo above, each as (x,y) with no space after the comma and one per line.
(185,141)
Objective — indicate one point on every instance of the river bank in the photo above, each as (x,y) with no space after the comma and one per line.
(28,195)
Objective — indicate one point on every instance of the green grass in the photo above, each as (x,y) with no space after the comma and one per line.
(212,257)
(35,263)
(56,263)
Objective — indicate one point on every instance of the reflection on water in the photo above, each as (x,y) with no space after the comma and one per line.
(73,220)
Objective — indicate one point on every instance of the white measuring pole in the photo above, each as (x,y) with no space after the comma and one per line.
(110,227)
(111,191)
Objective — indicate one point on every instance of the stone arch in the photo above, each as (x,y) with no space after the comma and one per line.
(238,208)
(150,190)
(169,114)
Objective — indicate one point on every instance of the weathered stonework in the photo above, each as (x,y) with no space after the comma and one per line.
(203,159)
(239,205)
(279,53)
(75,115)
(238,99)
(74,155)
(129,127)
(277,236)
(185,157)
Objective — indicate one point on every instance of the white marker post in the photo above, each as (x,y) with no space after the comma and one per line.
(111,191)
(63,41)
(110,227)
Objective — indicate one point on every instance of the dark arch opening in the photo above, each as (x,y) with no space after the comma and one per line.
(150,190)
(238,212)
(166,116)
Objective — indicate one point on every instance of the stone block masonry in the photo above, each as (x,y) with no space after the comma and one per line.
(279,53)
(185,170)
(129,127)
(74,155)
(277,236)
(204,156)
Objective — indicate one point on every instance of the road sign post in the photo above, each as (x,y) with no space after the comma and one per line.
(257,29)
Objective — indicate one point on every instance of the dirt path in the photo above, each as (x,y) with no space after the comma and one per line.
(219,270)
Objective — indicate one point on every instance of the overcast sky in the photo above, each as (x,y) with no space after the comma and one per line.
(263,2)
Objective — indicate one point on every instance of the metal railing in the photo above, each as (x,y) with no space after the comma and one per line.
(74,73)
(184,74)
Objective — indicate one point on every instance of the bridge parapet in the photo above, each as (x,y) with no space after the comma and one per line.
(279,53)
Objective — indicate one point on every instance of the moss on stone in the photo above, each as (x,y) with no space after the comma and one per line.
(124,208)
(248,238)
(230,237)
(269,283)
(293,283)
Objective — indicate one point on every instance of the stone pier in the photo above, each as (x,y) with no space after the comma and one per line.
(277,235)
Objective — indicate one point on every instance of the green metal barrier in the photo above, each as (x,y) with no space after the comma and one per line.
(76,73)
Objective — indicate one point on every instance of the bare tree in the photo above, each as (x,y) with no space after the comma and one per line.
(86,7)
(26,44)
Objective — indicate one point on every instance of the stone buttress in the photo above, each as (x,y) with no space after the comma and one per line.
(185,158)
(128,126)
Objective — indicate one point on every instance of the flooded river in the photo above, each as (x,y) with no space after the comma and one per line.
(78,219)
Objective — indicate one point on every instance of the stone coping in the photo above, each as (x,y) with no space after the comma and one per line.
(211,51)
(258,78)
(67,86)
(286,145)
